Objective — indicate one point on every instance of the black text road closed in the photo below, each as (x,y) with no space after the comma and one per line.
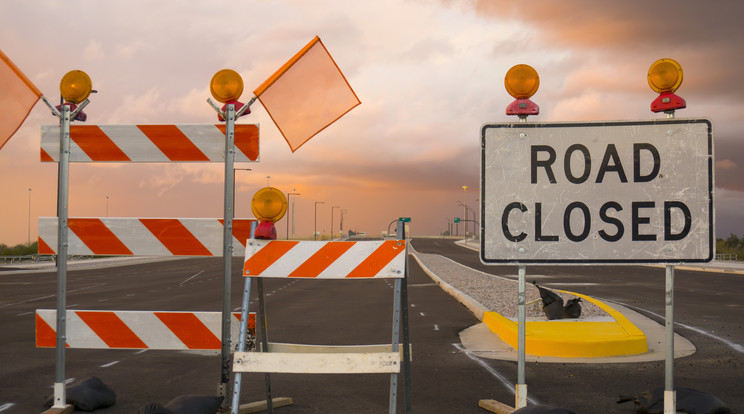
(597,192)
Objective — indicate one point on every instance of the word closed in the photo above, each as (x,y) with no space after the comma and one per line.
(620,192)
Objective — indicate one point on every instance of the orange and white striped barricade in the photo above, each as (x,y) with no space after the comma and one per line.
(112,236)
(349,260)
(105,329)
(150,143)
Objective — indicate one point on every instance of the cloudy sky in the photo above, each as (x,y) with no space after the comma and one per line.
(429,75)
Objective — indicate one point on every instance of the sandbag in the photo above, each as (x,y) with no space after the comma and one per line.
(543,409)
(88,395)
(689,401)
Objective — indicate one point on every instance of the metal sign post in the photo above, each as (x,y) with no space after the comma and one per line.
(227,247)
(63,180)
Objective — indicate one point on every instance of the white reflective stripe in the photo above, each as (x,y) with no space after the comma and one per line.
(48,231)
(209,232)
(213,322)
(291,260)
(133,142)
(209,140)
(138,238)
(79,334)
(151,330)
(350,260)
(74,244)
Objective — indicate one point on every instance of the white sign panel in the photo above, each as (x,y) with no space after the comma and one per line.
(597,192)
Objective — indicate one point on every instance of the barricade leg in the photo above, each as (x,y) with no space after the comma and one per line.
(264,342)
(241,343)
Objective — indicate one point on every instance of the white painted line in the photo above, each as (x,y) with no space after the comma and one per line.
(25,313)
(736,347)
(141,351)
(110,364)
(509,386)
(200,272)
(51,296)
(422,314)
(6,406)
(436,327)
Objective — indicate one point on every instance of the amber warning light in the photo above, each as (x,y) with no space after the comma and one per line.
(268,205)
(664,77)
(75,87)
(226,87)
(521,81)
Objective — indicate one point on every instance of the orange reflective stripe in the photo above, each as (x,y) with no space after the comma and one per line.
(323,258)
(190,330)
(246,139)
(173,143)
(45,157)
(175,237)
(96,144)
(98,237)
(241,229)
(44,248)
(251,320)
(266,257)
(45,335)
(378,259)
(111,329)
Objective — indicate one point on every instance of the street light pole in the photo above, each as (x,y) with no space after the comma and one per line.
(292,215)
(107,201)
(29,216)
(315,221)
(332,220)
(341,223)
(465,208)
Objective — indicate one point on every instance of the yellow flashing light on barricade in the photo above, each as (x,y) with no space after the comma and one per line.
(75,86)
(521,81)
(665,75)
(226,86)
(268,205)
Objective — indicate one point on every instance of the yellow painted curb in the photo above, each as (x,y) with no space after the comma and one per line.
(572,338)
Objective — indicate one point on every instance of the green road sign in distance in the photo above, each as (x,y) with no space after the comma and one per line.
(457,219)
(405,219)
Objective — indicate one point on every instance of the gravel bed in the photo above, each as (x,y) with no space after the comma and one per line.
(495,293)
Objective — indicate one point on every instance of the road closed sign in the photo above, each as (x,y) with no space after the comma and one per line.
(597,192)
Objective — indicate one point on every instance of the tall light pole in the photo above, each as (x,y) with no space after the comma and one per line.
(465,208)
(292,215)
(29,216)
(315,221)
(341,223)
(332,220)
(268,178)
(107,200)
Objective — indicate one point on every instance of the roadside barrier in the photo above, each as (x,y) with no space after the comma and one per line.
(143,236)
(150,143)
(346,260)
(93,329)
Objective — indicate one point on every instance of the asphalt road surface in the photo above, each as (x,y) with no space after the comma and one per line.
(445,378)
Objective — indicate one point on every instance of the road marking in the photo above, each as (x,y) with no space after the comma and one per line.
(509,386)
(51,296)
(141,351)
(422,314)
(6,406)
(110,364)
(25,313)
(200,272)
(436,327)
(733,345)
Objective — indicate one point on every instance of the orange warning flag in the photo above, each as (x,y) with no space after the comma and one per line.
(307,94)
(17,96)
